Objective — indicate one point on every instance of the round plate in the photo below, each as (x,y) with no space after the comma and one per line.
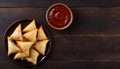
(24,23)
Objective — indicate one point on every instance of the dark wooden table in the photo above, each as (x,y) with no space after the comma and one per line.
(91,42)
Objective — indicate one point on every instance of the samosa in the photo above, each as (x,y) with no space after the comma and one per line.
(41,34)
(25,46)
(17,34)
(12,47)
(31,36)
(30,26)
(33,56)
(20,55)
(41,46)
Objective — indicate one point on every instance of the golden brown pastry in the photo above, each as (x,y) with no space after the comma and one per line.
(41,34)
(30,27)
(31,36)
(33,56)
(41,46)
(12,47)
(20,55)
(25,46)
(17,34)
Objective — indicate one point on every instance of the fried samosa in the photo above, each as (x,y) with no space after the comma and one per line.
(41,46)
(25,46)
(41,34)
(17,34)
(20,55)
(33,56)
(12,47)
(30,26)
(31,36)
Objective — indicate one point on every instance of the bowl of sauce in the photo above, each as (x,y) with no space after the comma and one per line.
(59,16)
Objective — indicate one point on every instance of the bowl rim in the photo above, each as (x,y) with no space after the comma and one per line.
(70,22)
(17,22)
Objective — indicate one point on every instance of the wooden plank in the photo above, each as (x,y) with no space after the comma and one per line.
(98,27)
(86,19)
(86,48)
(65,65)
(46,3)
(94,20)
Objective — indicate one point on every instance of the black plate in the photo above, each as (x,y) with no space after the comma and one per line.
(24,23)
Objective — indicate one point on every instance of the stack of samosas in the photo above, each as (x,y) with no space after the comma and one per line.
(28,43)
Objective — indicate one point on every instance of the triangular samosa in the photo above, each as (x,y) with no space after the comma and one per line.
(41,46)
(33,56)
(41,34)
(30,26)
(12,48)
(31,36)
(17,34)
(25,46)
(20,55)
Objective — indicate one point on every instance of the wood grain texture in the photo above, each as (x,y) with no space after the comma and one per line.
(46,3)
(91,42)
(66,65)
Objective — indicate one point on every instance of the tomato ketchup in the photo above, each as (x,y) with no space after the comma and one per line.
(59,16)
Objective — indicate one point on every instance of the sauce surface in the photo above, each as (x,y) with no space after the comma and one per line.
(59,16)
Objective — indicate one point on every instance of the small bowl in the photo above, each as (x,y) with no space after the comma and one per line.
(59,16)
(24,23)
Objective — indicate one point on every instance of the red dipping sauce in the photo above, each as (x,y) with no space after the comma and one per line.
(59,16)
